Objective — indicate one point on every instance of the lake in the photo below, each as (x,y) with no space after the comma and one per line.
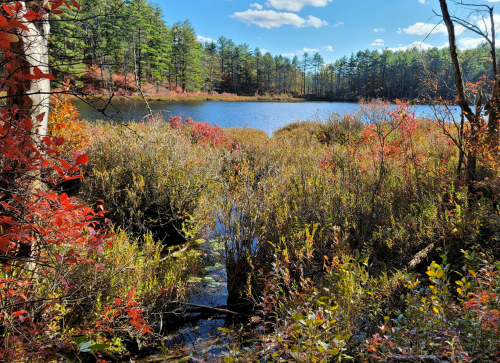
(266,116)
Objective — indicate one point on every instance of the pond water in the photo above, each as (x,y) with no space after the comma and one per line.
(266,116)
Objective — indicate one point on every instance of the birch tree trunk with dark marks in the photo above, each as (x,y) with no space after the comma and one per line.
(31,96)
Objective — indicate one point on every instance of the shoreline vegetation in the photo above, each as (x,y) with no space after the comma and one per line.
(194,97)
(213,98)
(197,97)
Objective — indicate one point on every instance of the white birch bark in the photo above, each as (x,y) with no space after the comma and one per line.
(36,53)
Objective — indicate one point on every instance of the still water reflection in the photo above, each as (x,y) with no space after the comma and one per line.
(266,116)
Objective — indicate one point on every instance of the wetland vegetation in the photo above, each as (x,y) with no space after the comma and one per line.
(322,237)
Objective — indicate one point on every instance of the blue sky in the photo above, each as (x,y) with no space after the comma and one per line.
(333,27)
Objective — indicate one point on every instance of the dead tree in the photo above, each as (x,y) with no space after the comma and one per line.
(488,33)
(472,117)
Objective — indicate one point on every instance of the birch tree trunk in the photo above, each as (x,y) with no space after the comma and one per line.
(31,96)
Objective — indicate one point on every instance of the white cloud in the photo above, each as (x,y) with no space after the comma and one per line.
(315,22)
(459,30)
(272,19)
(423,1)
(308,50)
(295,5)
(421,45)
(328,48)
(379,30)
(469,42)
(485,23)
(256,6)
(424,29)
(339,23)
(202,39)
(264,51)
(397,49)
(420,28)
(418,45)
(445,45)
(378,42)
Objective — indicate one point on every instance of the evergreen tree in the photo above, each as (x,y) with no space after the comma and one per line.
(119,38)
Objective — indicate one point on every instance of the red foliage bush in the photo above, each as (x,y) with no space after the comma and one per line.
(47,241)
(201,132)
(43,235)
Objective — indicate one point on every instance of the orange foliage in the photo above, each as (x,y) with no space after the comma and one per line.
(64,122)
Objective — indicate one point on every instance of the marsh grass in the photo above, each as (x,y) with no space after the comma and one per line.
(151,178)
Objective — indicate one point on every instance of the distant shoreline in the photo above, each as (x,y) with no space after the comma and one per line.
(233,98)
(210,98)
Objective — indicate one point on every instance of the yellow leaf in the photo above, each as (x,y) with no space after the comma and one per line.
(440,274)
(436,310)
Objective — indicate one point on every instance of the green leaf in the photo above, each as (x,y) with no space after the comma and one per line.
(78,338)
(84,347)
(99,346)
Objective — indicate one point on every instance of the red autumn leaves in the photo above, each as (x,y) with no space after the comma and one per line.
(19,18)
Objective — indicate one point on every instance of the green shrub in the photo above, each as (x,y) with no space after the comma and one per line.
(150,177)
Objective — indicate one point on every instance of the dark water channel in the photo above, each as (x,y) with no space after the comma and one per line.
(199,334)
(195,335)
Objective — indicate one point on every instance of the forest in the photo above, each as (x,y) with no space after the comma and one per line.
(105,51)
(365,236)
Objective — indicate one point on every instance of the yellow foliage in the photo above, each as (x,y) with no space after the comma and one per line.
(64,121)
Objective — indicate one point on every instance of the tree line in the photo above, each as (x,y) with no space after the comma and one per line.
(131,39)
